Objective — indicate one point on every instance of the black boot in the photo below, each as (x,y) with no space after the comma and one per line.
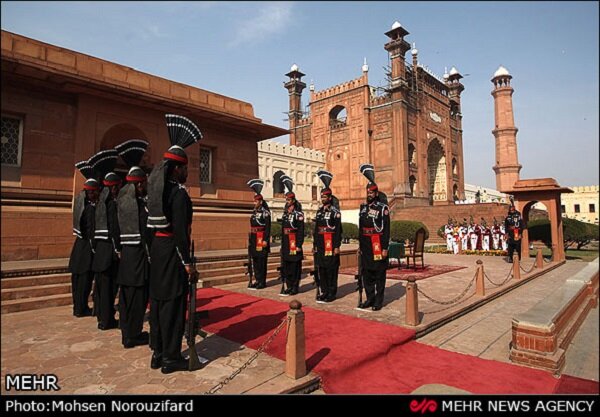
(174,366)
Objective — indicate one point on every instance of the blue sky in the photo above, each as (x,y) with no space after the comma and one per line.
(243,50)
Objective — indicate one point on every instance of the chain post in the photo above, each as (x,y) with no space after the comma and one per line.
(539,259)
(412,303)
(295,348)
(480,285)
(516,267)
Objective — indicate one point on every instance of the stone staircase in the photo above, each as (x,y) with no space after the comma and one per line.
(26,287)
(22,293)
(218,271)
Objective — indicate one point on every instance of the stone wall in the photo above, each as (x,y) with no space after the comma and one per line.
(435,216)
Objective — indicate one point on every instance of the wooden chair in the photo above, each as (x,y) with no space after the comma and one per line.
(416,249)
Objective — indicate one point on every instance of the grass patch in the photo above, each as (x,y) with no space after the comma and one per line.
(586,255)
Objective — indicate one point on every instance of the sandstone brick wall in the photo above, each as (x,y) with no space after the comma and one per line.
(435,216)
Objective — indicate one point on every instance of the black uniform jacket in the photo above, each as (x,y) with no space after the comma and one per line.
(292,223)
(81,255)
(328,221)
(374,219)
(511,222)
(169,254)
(106,248)
(260,221)
(134,266)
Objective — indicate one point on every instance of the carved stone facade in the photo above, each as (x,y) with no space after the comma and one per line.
(301,165)
(412,133)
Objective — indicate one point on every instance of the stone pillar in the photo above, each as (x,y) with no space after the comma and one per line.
(516,268)
(525,244)
(479,280)
(539,260)
(507,166)
(412,303)
(295,350)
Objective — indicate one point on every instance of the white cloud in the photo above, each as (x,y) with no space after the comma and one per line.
(271,19)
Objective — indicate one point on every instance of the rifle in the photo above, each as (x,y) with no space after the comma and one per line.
(250,264)
(193,317)
(280,270)
(315,275)
(359,278)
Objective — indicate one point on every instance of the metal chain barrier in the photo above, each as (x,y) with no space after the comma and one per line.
(260,349)
(447,308)
(508,276)
(455,299)
(530,269)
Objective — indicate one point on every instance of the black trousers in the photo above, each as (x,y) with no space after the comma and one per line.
(132,308)
(374,283)
(167,324)
(514,245)
(81,286)
(328,280)
(260,269)
(105,295)
(292,271)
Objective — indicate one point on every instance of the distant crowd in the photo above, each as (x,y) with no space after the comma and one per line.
(475,236)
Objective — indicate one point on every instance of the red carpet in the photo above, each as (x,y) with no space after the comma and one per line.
(571,384)
(354,355)
(406,273)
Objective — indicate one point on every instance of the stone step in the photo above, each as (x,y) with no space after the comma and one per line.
(37,291)
(240,269)
(36,280)
(35,303)
(203,265)
(231,279)
(34,271)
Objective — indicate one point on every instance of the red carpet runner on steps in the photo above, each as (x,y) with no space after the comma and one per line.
(355,356)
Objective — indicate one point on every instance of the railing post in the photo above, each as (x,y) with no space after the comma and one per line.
(412,303)
(539,260)
(516,268)
(295,349)
(479,280)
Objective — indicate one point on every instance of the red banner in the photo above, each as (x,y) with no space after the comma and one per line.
(259,241)
(376,245)
(292,241)
(328,238)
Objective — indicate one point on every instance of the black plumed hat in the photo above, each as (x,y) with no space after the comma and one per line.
(257,186)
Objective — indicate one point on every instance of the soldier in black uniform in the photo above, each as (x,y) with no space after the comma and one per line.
(513,224)
(374,225)
(260,235)
(80,262)
(136,241)
(292,230)
(327,239)
(106,239)
(170,213)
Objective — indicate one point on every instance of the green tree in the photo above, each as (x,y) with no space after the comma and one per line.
(276,231)
(575,232)
(402,230)
(349,231)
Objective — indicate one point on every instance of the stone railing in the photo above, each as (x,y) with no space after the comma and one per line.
(541,335)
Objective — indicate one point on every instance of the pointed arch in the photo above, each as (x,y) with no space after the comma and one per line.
(436,171)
